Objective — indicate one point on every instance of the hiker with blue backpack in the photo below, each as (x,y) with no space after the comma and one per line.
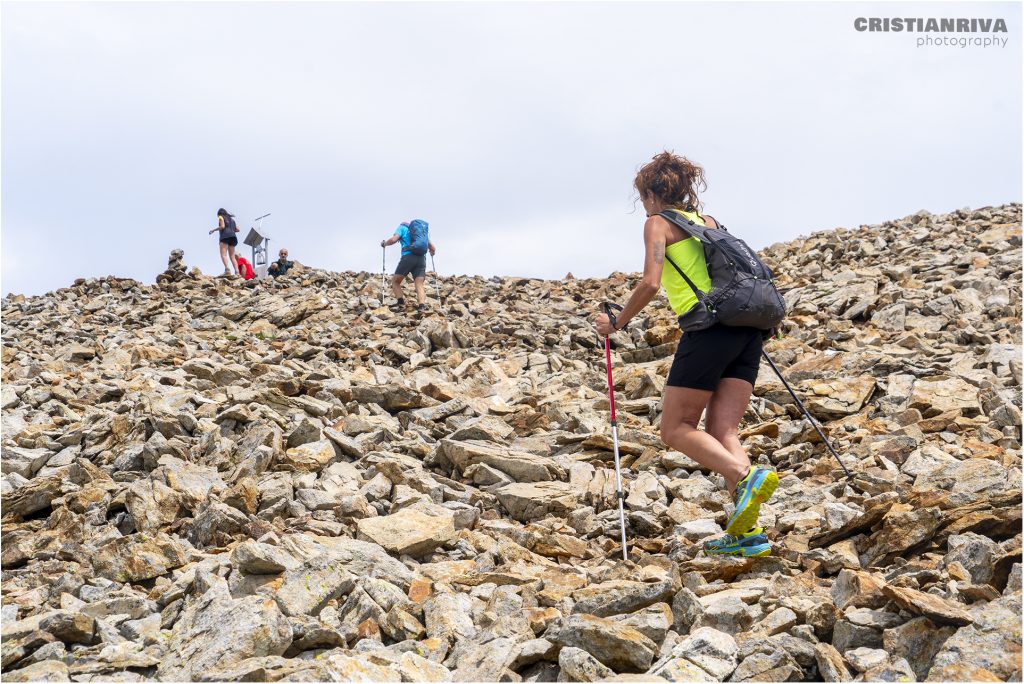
(415,239)
(725,301)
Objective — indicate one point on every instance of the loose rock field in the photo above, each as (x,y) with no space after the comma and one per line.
(211,480)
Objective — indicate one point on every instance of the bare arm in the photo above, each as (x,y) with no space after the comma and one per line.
(433,250)
(390,241)
(654,261)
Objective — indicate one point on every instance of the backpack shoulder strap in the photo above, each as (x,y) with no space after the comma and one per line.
(696,291)
(694,230)
(686,225)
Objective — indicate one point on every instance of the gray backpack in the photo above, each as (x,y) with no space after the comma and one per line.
(742,292)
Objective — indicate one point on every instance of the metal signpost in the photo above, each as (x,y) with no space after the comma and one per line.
(260,243)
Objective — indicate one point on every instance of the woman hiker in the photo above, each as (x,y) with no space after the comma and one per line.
(714,369)
(228,240)
(415,238)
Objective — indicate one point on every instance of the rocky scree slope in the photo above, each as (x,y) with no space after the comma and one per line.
(206,479)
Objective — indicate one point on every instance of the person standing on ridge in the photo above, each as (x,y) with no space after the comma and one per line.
(415,238)
(228,240)
(714,369)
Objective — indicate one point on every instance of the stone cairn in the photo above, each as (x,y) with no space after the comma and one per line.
(287,482)
(175,268)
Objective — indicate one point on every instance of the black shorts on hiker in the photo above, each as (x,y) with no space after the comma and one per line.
(412,263)
(231,241)
(704,357)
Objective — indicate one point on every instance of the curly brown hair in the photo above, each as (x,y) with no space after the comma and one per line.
(673,179)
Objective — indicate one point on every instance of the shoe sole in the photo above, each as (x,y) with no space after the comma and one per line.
(747,552)
(747,518)
(712,552)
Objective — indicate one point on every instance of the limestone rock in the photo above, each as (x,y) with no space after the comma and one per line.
(939,610)
(579,666)
(43,671)
(918,641)
(520,466)
(830,664)
(621,648)
(448,617)
(991,644)
(306,588)
(138,557)
(858,589)
(71,628)
(714,652)
(255,558)
(412,532)
(618,597)
(776,666)
(310,456)
(653,622)
(936,395)
(532,501)
(215,630)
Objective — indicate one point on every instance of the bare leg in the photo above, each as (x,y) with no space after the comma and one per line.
(224,256)
(396,286)
(683,408)
(421,295)
(725,411)
(234,259)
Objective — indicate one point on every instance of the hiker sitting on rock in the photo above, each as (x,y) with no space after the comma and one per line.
(715,368)
(415,239)
(245,268)
(282,265)
(228,240)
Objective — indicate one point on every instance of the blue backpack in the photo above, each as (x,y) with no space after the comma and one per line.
(419,237)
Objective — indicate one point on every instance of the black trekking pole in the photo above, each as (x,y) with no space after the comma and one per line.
(615,429)
(806,413)
(383,271)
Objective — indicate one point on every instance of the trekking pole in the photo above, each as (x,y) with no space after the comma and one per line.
(383,271)
(806,413)
(437,289)
(615,430)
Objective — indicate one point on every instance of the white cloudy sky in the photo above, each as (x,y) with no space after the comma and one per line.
(514,128)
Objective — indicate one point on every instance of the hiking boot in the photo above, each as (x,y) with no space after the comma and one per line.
(227,272)
(752,491)
(748,544)
(398,306)
(421,309)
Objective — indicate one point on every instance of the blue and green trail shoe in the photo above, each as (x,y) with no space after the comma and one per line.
(752,491)
(748,544)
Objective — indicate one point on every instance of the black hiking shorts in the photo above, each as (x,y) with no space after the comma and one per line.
(230,241)
(704,357)
(412,263)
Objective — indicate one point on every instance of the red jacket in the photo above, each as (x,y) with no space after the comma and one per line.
(245,268)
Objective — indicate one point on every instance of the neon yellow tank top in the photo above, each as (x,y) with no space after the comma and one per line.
(689,256)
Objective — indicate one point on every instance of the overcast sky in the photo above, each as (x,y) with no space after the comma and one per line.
(515,129)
